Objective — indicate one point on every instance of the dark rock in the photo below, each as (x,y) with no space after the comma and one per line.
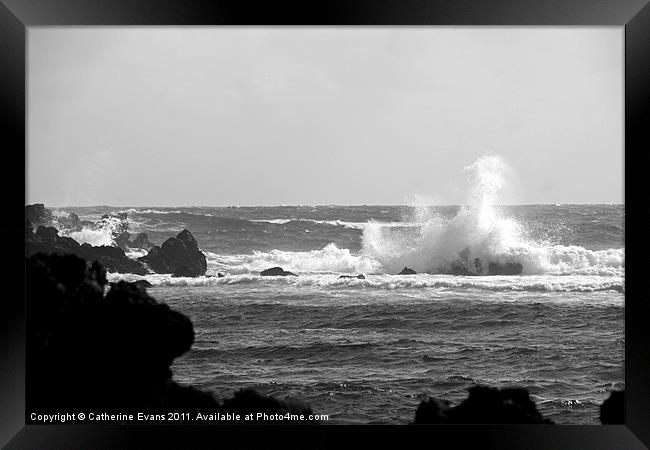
(143,284)
(90,350)
(276,272)
(360,276)
(220,275)
(38,215)
(484,405)
(47,240)
(182,271)
(508,268)
(407,271)
(612,411)
(176,253)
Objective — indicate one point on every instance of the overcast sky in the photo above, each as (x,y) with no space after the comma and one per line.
(267,116)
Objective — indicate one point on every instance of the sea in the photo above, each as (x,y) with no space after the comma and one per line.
(369,350)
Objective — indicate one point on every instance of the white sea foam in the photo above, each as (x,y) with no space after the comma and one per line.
(330,259)
(101,233)
(479,230)
(537,283)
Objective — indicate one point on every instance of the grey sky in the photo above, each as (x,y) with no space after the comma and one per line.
(268,116)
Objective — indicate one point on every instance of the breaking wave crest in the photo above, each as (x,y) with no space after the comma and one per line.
(97,233)
(478,236)
(392,282)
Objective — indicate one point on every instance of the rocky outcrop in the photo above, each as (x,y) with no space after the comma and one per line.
(484,405)
(276,272)
(47,240)
(612,411)
(179,255)
(407,271)
(38,215)
(360,276)
(91,350)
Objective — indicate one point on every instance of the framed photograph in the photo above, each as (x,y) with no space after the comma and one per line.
(398,219)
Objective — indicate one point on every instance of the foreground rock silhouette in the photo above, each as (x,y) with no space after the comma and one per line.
(87,349)
(484,405)
(179,256)
(612,411)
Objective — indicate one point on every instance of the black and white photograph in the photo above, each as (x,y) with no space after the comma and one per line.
(325,225)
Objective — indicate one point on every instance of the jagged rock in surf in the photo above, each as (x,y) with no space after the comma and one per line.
(360,276)
(91,349)
(407,271)
(484,405)
(177,255)
(47,240)
(276,272)
(612,411)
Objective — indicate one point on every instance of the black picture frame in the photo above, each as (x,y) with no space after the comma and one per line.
(17,15)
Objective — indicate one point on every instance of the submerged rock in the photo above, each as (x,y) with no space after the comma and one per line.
(177,255)
(360,276)
(407,271)
(484,405)
(276,272)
